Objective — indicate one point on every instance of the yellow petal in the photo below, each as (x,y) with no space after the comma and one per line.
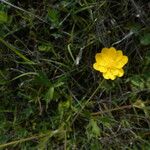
(102,69)
(114,71)
(109,55)
(122,62)
(109,75)
(107,59)
(111,51)
(119,55)
(120,73)
(96,66)
(101,59)
(112,77)
(98,57)
(105,50)
(105,75)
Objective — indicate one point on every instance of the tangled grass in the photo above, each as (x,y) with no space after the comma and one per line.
(51,98)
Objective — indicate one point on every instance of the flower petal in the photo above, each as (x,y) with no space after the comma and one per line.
(122,62)
(96,66)
(105,50)
(114,71)
(112,77)
(109,51)
(109,75)
(98,57)
(107,59)
(101,59)
(119,55)
(112,51)
(105,75)
(109,55)
(102,69)
(120,73)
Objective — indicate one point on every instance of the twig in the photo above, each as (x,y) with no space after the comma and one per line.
(20,141)
(117,108)
(50,134)
(110,110)
(125,37)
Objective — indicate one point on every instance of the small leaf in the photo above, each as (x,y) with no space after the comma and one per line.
(27,112)
(95,128)
(53,16)
(139,104)
(49,94)
(64,105)
(148,80)
(106,121)
(3,17)
(45,47)
(92,129)
(145,39)
(42,79)
(58,84)
(137,82)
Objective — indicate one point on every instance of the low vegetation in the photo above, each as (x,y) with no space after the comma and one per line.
(50,95)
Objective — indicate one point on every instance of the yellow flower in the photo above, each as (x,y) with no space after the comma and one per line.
(110,62)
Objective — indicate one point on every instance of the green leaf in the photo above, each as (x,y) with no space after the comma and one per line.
(106,121)
(2,79)
(42,79)
(3,17)
(148,80)
(58,84)
(49,94)
(53,16)
(95,128)
(137,82)
(92,129)
(145,39)
(45,47)
(64,105)
(139,104)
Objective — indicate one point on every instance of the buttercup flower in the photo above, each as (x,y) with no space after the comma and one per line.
(110,62)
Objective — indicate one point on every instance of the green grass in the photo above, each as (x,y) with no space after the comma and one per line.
(50,95)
